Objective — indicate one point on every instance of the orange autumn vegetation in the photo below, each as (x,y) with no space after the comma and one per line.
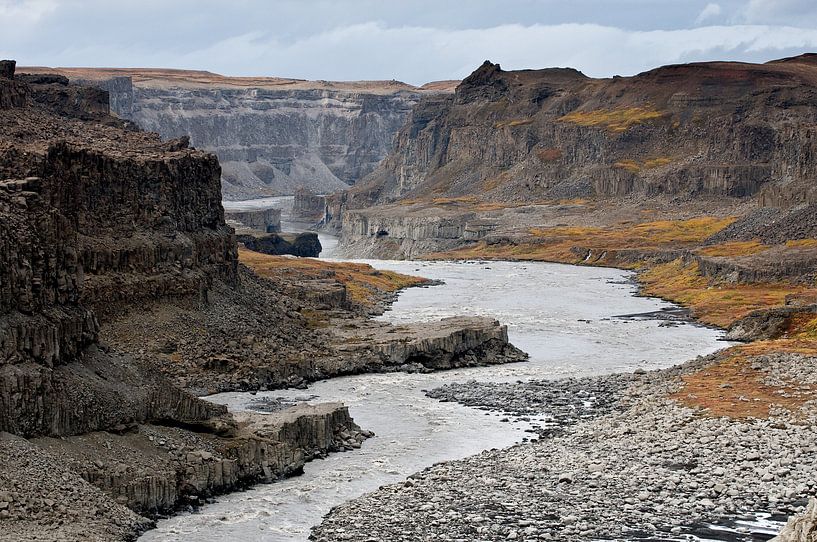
(615,120)
(734,248)
(634,166)
(732,387)
(363,282)
(557,244)
(712,303)
(716,304)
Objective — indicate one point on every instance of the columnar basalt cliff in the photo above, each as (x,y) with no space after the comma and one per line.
(85,226)
(272,135)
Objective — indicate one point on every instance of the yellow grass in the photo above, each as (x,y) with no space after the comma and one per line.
(363,282)
(615,120)
(734,248)
(657,162)
(716,304)
(634,166)
(569,244)
(659,233)
(630,165)
(805,243)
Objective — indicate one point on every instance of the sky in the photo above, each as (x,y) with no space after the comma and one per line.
(415,41)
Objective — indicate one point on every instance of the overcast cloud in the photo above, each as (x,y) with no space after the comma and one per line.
(411,40)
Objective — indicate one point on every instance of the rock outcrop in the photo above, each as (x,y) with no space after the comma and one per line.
(265,220)
(99,222)
(121,293)
(87,224)
(271,135)
(308,206)
(305,245)
(720,129)
(462,341)
(802,528)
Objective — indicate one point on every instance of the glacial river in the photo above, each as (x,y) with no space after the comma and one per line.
(567,318)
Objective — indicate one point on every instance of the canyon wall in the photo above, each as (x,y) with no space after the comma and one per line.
(710,130)
(709,136)
(95,219)
(271,135)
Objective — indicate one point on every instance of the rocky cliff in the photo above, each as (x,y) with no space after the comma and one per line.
(91,222)
(122,294)
(713,138)
(707,130)
(99,222)
(272,135)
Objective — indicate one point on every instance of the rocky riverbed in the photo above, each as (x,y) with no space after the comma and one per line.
(641,465)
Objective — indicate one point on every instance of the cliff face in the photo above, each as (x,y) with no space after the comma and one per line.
(710,130)
(272,136)
(94,219)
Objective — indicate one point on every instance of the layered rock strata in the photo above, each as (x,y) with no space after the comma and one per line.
(96,223)
(272,135)
(265,220)
(120,292)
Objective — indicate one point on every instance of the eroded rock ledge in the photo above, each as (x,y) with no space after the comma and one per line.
(102,480)
(461,341)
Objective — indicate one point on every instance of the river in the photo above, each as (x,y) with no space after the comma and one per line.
(569,319)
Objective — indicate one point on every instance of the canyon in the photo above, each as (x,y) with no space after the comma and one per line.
(126,294)
(511,150)
(122,299)
(699,177)
(272,135)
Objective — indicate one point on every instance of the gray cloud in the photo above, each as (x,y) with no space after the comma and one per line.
(794,12)
(415,41)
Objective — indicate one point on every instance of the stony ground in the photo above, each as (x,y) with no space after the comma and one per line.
(647,467)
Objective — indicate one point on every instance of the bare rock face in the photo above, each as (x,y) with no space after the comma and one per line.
(271,135)
(462,341)
(266,220)
(308,206)
(12,93)
(306,244)
(802,528)
(94,219)
(272,142)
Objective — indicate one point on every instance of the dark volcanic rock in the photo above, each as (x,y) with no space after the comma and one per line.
(277,244)
(100,228)
(7,69)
